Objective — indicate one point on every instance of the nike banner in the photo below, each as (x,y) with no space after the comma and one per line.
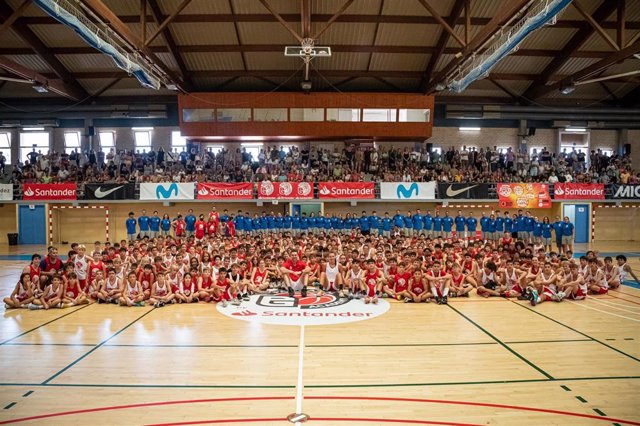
(466,191)
(357,190)
(407,190)
(167,191)
(109,191)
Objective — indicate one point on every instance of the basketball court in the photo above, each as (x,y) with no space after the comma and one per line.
(476,361)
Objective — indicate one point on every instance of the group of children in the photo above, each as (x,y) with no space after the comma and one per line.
(216,268)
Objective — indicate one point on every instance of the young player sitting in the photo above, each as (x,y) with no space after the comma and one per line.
(461,284)
(418,289)
(512,280)
(111,289)
(187,290)
(551,286)
(439,282)
(596,281)
(489,281)
(397,286)
(132,294)
(205,286)
(52,295)
(611,273)
(22,294)
(574,284)
(161,293)
(259,282)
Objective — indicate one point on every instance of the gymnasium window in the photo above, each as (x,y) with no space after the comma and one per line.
(33,140)
(214,149)
(379,115)
(502,149)
(107,140)
(535,150)
(343,114)
(5,146)
(414,115)
(71,142)
(142,138)
(178,142)
(253,148)
(607,152)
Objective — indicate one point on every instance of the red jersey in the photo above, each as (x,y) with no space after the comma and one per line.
(417,286)
(214,217)
(34,274)
(212,228)
(201,229)
(181,228)
(207,282)
(93,268)
(231,228)
(260,276)
(146,280)
(401,281)
(297,269)
(51,266)
(371,279)
(457,281)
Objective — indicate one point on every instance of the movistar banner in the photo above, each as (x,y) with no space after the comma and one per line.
(407,190)
(466,191)
(167,191)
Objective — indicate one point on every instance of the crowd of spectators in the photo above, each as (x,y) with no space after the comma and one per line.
(351,164)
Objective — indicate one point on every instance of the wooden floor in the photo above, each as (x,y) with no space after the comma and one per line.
(472,362)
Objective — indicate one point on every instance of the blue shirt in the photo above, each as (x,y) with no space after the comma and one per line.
(154,223)
(374,222)
(279,222)
(491,225)
(447,223)
(483,223)
(567,229)
(165,224)
(239,222)
(499,224)
(143,221)
(460,222)
(248,224)
(131,226)
(428,222)
(508,223)
(364,223)
(398,220)
(191,222)
(286,222)
(386,224)
(418,221)
(313,221)
(224,218)
(408,222)
(437,223)
(295,222)
(304,223)
(472,224)
(528,224)
(271,222)
(520,225)
(537,229)
(546,230)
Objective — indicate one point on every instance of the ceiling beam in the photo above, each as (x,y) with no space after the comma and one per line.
(505,14)
(282,21)
(130,37)
(237,31)
(333,18)
(538,86)
(55,85)
(172,47)
(590,70)
(43,52)
(305,18)
(595,25)
(345,18)
(143,20)
(15,15)
(440,46)
(500,86)
(166,22)
(442,22)
(621,16)
(244,48)
(375,36)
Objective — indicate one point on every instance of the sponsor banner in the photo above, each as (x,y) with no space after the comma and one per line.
(578,191)
(346,190)
(6,191)
(625,191)
(407,190)
(49,191)
(524,195)
(224,191)
(466,191)
(280,309)
(291,190)
(167,191)
(109,191)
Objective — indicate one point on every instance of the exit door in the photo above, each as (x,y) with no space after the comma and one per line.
(578,214)
(32,224)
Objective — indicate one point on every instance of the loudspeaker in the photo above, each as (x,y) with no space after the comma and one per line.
(532,131)
(626,149)
(429,147)
(91,131)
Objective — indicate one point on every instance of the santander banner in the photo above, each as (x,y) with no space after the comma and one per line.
(224,191)
(285,190)
(578,191)
(49,191)
(346,190)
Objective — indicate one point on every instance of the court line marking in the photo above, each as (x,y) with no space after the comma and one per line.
(321,419)
(573,329)
(615,306)
(299,386)
(342,398)
(48,344)
(46,323)
(97,347)
(504,345)
(604,312)
(371,385)
(622,298)
(625,293)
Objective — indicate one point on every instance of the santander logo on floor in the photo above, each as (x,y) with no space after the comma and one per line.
(280,309)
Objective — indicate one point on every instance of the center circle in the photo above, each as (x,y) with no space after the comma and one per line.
(280,309)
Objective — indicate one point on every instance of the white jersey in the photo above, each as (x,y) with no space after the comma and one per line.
(162,290)
(486,278)
(622,273)
(80,267)
(111,285)
(331,272)
(597,277)
(132,290)
(120,275)
(512,279)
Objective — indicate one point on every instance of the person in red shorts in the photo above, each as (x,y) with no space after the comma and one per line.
(397,285)
(295,273)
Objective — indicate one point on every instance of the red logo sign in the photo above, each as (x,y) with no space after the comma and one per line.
(222,191)
(346,190)
(292,190)
(43,191)
(578,191)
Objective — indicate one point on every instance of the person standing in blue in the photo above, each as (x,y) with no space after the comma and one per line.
(528,221)
(279,223)
(295,224)
(398,220)
(313,223)
(247,224)
(484,225)
(348,224)
(408,224)
(418,222)
(365,225)
(491,228)
(557,229)
(567,235)
(304,223)
(131,223)
(386,225)
(238,221)
(190,220)
(537,231)
(328,224)
(336,223)
(508,223)
(521,226)
(499,225)
(143,223)
(546,233)
(165,225)
(271,222)
(374,223)
(437,225)
(154,225)
(447,225)
(428,224)
(460,222)
(287,223)
(472,224)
